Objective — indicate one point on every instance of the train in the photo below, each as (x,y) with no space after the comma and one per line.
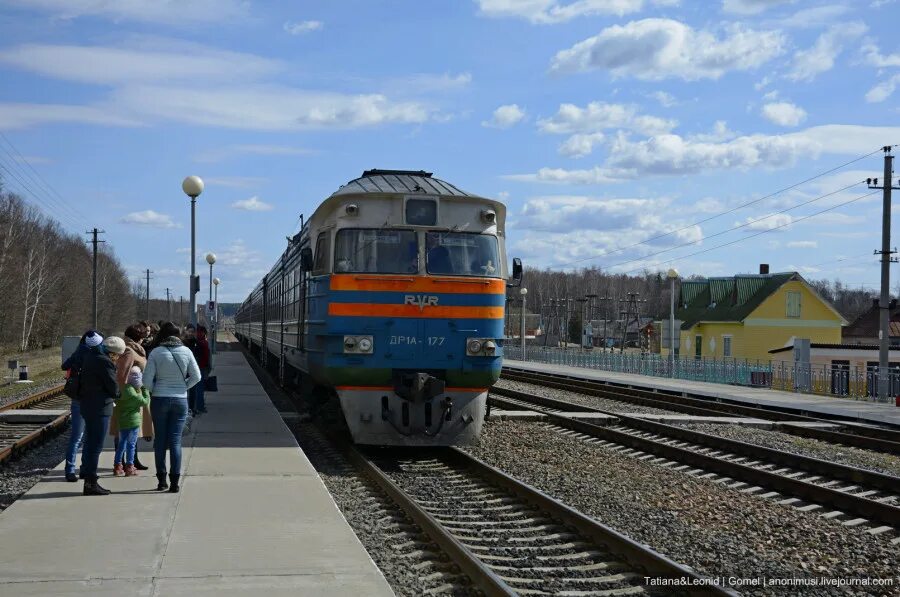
(391,299)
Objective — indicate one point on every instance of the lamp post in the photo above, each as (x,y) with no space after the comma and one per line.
(216,317)
(210,259)
(672,275)
(522,292)
(192,187)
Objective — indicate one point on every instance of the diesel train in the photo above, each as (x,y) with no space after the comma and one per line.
(390,298)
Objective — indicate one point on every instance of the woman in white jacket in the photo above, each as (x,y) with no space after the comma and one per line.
(171,371)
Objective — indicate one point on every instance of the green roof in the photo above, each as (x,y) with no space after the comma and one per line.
(727,299)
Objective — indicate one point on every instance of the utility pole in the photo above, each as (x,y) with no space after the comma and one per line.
(884,341)
(180,310)
(148,295)
(168,306)
(94,242)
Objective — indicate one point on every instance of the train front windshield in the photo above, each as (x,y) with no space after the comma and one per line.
(376,251)
(462,254)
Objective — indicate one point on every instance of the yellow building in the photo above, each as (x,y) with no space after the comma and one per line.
(746,316)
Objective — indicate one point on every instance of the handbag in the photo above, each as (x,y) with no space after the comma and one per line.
(73,385)
(211,384)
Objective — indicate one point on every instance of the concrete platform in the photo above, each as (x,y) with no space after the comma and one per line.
(813,405)
(252,518)
(30,415)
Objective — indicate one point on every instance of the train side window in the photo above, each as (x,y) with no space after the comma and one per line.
(323,248)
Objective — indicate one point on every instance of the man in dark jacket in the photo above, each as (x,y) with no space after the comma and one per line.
(99,389)
(202,355)
(73,364)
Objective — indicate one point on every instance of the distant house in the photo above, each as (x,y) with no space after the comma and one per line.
(864,330)
(747,315)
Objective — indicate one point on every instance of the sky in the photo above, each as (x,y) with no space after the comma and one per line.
(623,134)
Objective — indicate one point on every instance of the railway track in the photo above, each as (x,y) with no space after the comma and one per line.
(861,436)
(18,434)
(510,538)
(857,497)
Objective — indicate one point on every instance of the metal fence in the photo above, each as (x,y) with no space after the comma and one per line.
(843,381)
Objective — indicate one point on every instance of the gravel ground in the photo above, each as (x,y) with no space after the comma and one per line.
(719,532)
(31,388)
(19,476)
(584,399)
(875,461)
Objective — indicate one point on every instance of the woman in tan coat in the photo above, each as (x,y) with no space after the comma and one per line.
(134,356)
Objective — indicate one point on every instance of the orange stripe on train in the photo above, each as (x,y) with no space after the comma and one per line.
(428,312)
(454,285)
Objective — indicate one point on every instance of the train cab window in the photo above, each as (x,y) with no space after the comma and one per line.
(462,254)
(320,266)
(376,251)
(421,212)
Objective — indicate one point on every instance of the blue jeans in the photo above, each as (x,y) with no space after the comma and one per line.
(74,437)
(96,426)
(127,441)
(169,416)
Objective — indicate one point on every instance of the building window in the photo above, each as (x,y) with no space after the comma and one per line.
(793,304)
(726,346)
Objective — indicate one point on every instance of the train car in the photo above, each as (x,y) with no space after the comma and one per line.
(391,298)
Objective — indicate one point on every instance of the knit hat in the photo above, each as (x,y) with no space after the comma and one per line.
(114,344)
(92,339)
(135,377)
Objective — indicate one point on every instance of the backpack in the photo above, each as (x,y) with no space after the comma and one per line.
(72,389)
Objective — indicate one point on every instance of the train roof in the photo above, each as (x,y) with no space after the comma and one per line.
(400,181)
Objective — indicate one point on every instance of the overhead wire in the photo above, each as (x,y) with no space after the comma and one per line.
(723,213)
(15,181)
(746,238)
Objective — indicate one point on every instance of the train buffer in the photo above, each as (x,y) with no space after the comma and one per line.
(252,518)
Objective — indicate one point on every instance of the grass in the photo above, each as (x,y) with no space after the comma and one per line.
(43,368)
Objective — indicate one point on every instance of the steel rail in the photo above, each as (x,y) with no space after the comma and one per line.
(872,438)
(861,506)
(36,398)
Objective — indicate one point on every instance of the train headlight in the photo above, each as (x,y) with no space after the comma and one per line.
(349,344)
(473,346)
(358,344)
(489,347)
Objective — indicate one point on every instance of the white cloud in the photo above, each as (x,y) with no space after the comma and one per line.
(429,83)
(883,90)
(600,116)
(807,64)
(750,7)
(720,132)
(665,99)
(235,182)
(581,144)
(301,27)
(503,195)
(230,151)
(784,113)
(252,204)
(773,222)
(238,254)
(803,244)
(141,61)
(182,250)
(874,56)
(274,108)
(505,117)
(672,154)
(770,96)
(25,115)
(655,49)
(169,12)
(817,16)
(150,218)
(546,12)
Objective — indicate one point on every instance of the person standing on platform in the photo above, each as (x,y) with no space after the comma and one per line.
(189,338)
(133,398)
(202,354)
(73,365)
(98,392)
(134,356)
(170,374)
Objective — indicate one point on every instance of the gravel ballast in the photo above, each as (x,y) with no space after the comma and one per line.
(27,389)
(582,399)
(813,448)
(20,475)
(717,531)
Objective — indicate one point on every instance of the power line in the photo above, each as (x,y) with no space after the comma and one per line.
(738,227)
(43,181)
(724,213)
(39,197)
(739,240)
